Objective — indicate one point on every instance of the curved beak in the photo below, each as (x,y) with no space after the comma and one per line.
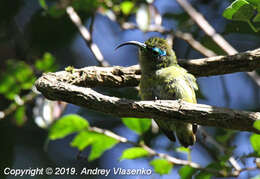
(136,43)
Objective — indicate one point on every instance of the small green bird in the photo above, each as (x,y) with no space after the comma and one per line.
(162,78)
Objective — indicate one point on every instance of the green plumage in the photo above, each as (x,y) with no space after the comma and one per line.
(163,78)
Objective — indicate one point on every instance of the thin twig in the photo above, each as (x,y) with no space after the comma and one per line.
(169,158)
(11,109)
(206,27)
(217,38)
(152,152)
(86,36)
(182,35)
(195,44)
(211,140)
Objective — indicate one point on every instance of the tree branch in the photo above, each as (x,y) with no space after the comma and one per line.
(54,89)
(86,35)
(169,158)
(13,106)
(130,76)
(206,27)
(196,45)
(210,31)
(219,65)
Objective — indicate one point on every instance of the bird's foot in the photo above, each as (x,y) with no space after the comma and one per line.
(180,105)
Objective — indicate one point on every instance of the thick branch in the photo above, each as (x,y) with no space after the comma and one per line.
(219,65)
(165,110)
(100,76)
(130,76)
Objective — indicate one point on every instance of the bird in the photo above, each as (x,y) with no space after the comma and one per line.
(163,79)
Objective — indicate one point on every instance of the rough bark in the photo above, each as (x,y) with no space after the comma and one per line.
(52,87)
(130,76)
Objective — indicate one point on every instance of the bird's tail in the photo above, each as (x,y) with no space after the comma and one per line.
(186,134)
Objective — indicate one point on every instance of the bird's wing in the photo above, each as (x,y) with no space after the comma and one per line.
(181,85)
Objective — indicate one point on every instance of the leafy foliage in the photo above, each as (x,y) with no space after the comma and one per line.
(126,7)
(203,175)
(183,150)
(99,143)
(46,63)
(18,76)
(20,115)
(161,166)
(67,125)
(134,152)
(186,172)
(73,123)
(244,10)
(139,125)
(255,139)
(257,125)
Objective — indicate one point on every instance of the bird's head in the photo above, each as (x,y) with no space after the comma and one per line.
(154,54)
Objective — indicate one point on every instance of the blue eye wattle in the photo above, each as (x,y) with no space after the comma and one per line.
(158,51)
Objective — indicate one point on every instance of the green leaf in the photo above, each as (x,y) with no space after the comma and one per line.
(29,84)
(255,141)
(133,153)
(12,92)
(6,83)
(222,166)
(46,64)
(20,115)
(99,143)
(43,4)
(22,71)
(203,175)
(88,6)
(18,75)
(55,12)
(254,3)
(257,18)
(161,166)
(139,125)
(186,172)
(183,150)
(257,124)
(126,7)
(82,140)
(239,10)
(24,75)
(67,125)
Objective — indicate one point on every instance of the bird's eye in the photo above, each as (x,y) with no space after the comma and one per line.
(158,52)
